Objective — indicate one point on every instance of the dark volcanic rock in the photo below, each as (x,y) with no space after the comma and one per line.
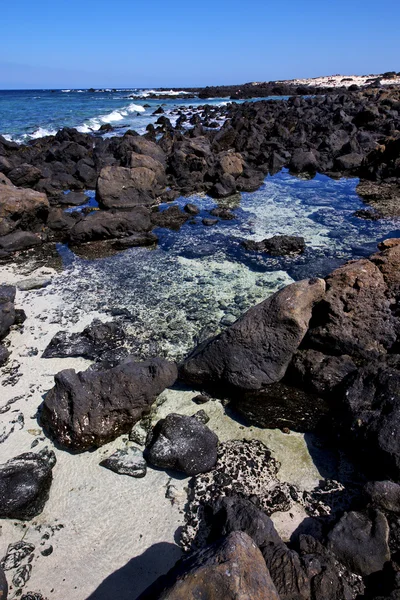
(4,354)
(360,541)
(303,162)
(126,462)
(231,569)
(7,309)
(19,240)
(24,485)
(191,209)
(182,443)
(278,245)
(209,222)
(103,225)
(257,349)
(3,585)
(355,316)
(136,239)
(318,372)
(287,572)
(384,495)
(172,218)
(279,405)
(233,513)
(372,400)
(91,408)
(94,342)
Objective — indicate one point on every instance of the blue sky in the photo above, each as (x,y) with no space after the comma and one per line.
(104,43)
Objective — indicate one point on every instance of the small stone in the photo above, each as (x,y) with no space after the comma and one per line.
(200,399)
(209,222)
(47,551)
(191,209)
(33,283)
(126,462)
(202,416)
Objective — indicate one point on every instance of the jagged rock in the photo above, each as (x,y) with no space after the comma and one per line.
(126,462)
(360,542)
(278,245)
(94,342)
(223,213)
(120,187)
(232,568)
(318,372)
(107,225)
(141,145)
(384,495)
(286,570)
(329,579)
(90,408)
(25,175)
(372,400)
(7,309)
(182,443)
(257,349)
(279,405)
(24,485)
(355,316)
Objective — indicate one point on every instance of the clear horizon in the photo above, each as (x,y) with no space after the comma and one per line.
(75,45)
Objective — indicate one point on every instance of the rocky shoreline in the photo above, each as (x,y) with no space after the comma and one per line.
(317,358)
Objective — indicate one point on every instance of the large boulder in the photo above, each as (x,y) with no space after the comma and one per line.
(19,240)
(24,485)
(103,225)
(232,568)
(141,145)
(25,175)
(355,317)
(257,349)
(120,187)
(90,408)
(360,541)
(21,208)
(304,161)
(182,443)
(7,309)
(384,495)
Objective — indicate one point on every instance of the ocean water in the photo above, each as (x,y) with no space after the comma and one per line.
(30,114)
(199,279)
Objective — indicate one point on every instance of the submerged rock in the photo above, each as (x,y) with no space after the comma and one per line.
(24,485)
(278,245)
(136,239)
(182,443)
(233,569)
(278,406)
(257,349)
(360,542)
(91,408)
(126,462)
(95,342)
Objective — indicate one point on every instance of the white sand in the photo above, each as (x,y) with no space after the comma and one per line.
(113,525)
